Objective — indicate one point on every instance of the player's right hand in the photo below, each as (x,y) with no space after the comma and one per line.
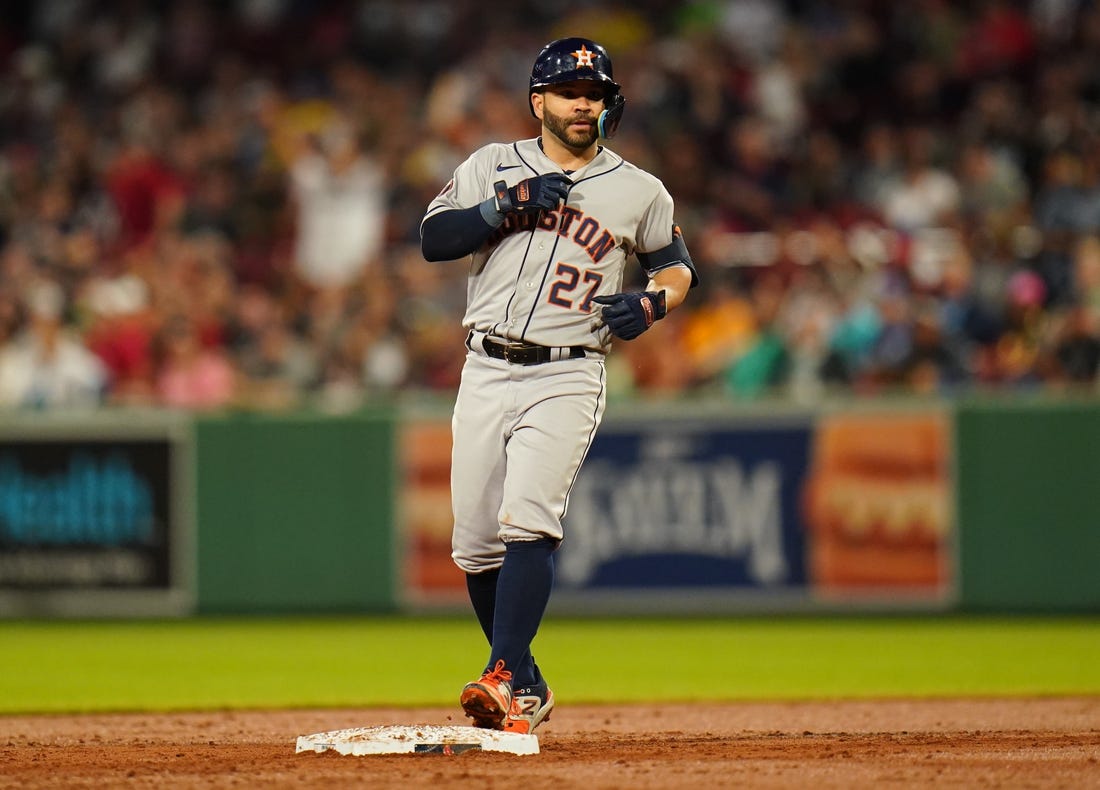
(627,315)
(540,192)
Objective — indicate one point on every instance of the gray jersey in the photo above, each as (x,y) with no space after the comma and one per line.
(535,277)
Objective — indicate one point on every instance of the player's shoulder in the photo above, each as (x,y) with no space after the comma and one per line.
(502,154)
(613,162)
(642,175)
(500,148)
(491,151)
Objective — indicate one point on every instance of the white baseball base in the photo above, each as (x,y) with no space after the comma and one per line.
(424,739)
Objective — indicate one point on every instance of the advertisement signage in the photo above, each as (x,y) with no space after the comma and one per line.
(93,524)
(699,506)
(778,511)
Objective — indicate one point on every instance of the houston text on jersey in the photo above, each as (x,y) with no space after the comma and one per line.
(570,223)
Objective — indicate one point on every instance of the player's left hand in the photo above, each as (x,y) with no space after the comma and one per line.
(627,315)
(540,192)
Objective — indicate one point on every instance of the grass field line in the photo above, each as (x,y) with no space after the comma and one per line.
(238,662)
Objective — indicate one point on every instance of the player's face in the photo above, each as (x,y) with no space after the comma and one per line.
(570,110)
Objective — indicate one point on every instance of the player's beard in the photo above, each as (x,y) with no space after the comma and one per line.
(559,127)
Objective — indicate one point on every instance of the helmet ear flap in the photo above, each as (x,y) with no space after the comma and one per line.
(608,122)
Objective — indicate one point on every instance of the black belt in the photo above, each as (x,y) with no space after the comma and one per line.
(528,354)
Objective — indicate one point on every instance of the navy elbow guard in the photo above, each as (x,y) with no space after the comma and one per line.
(675,254)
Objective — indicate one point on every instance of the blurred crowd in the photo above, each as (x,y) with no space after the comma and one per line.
(209,205)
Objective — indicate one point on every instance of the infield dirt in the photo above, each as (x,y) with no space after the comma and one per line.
(1010,743)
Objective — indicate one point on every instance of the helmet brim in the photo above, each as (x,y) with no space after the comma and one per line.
(576,76)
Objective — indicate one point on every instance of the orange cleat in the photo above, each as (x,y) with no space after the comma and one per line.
(489,699)
(530,707)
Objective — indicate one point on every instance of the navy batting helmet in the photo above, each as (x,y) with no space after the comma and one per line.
(569,59)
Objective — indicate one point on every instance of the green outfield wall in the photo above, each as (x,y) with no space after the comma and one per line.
(296,513)
(249,513)
(1028,486)
(302,513)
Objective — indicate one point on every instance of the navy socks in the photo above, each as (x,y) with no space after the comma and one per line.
(511,610)
(482,588)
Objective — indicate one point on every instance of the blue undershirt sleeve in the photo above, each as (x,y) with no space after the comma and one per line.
(456,233)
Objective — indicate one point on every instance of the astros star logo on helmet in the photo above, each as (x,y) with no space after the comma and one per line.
(583,56)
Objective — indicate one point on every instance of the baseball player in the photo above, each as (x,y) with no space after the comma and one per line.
(548,224)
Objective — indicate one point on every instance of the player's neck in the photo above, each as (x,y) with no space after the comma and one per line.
(564,156)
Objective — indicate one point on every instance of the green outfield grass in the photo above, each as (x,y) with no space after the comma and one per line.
(209,663)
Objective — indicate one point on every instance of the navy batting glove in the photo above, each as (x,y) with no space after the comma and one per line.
(628,315)
(539,192)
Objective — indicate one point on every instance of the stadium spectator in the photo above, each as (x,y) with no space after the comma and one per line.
(338,194)
(47,365)
(189,375)
(227,197)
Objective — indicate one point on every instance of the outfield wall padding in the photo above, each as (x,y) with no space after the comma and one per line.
(304,512)
(296,513)
(1029,506)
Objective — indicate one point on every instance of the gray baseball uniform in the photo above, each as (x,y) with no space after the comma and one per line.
(517,447)
(547,248)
